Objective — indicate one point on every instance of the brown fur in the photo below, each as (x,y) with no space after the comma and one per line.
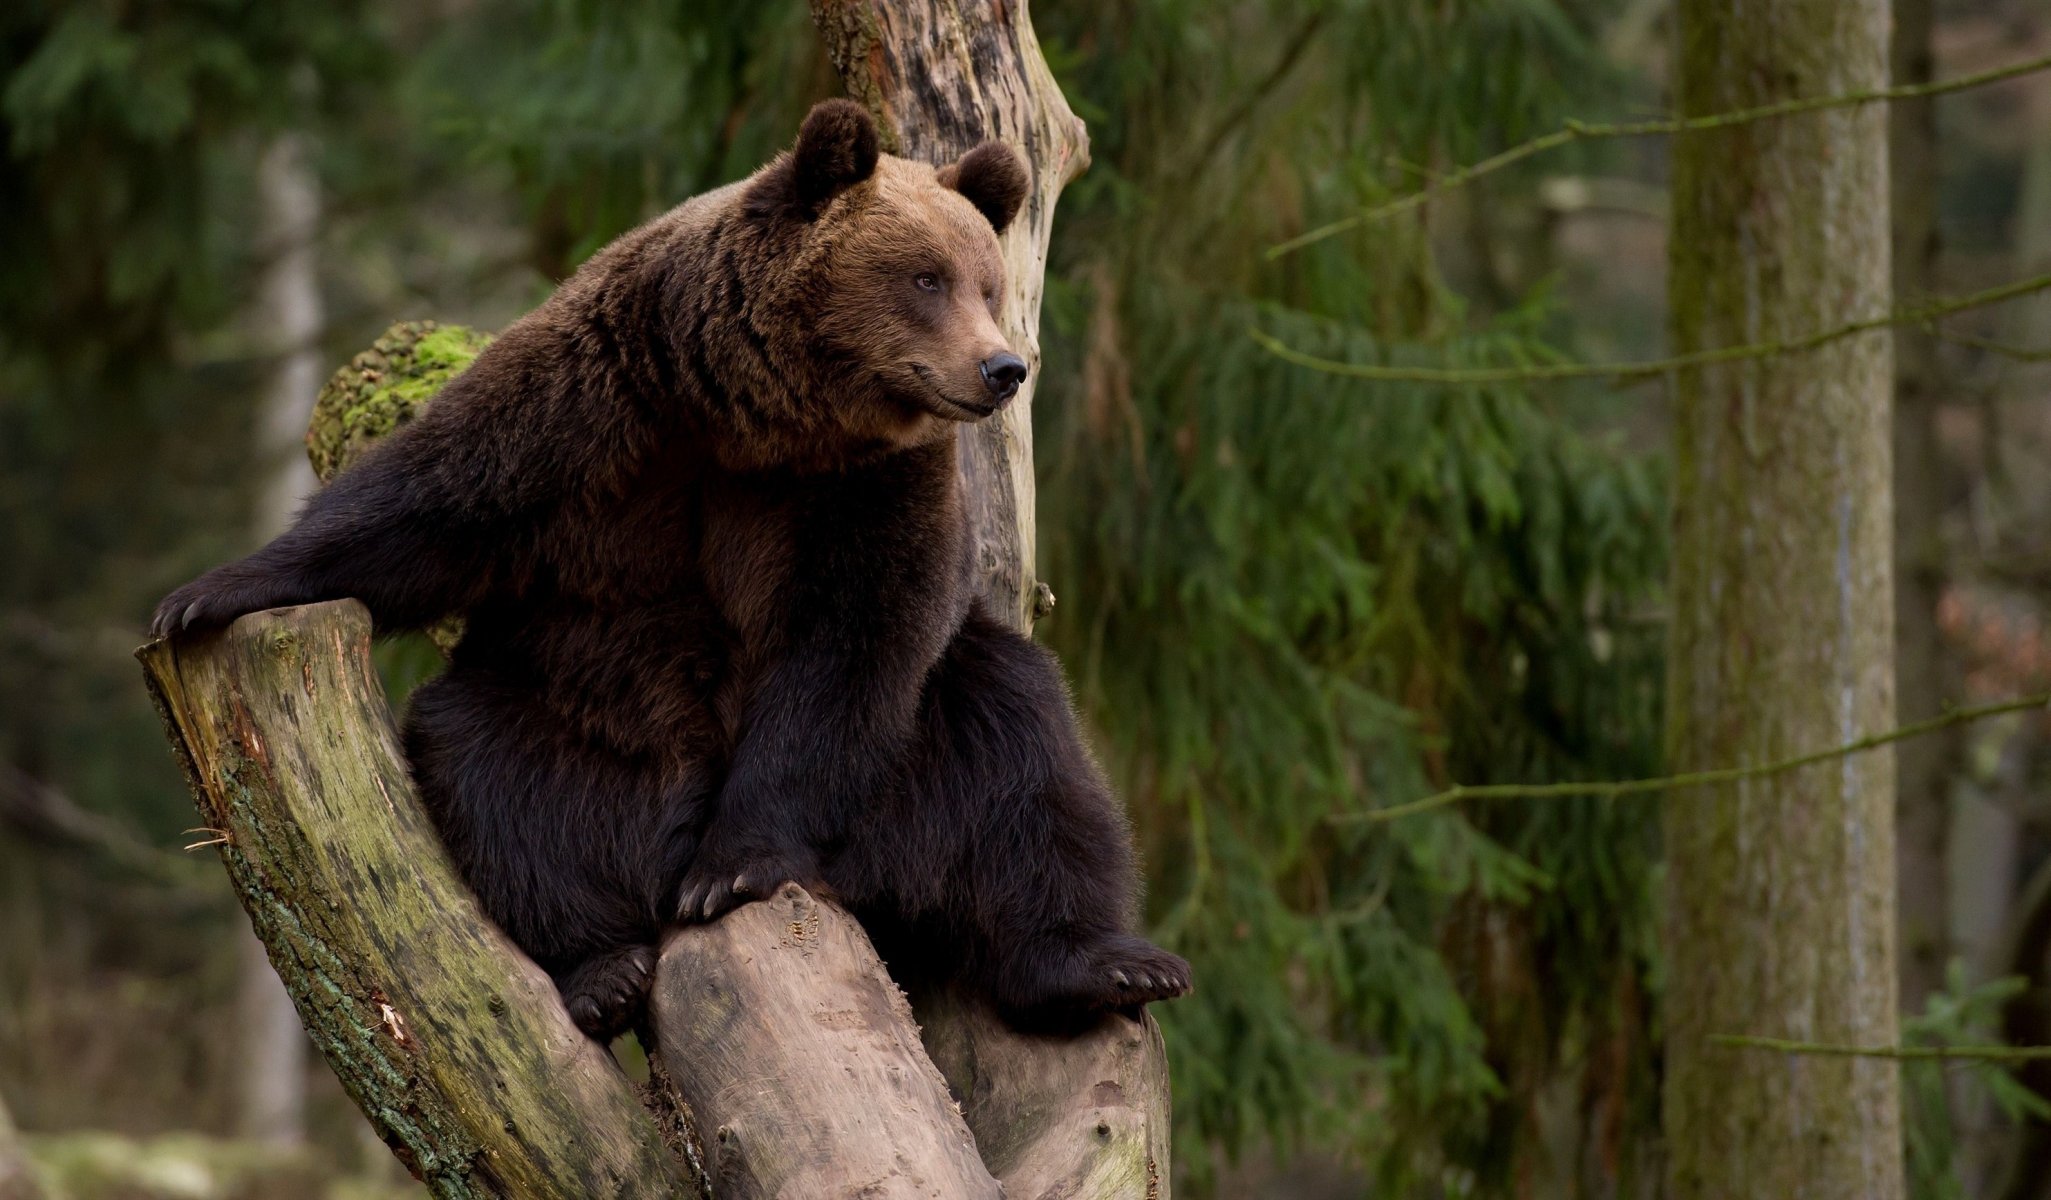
(702,511)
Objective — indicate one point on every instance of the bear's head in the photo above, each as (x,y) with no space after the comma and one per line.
(892,271)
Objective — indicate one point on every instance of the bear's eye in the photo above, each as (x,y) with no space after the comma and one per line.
(928,282)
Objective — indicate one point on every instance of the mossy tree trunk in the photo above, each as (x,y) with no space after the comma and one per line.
(1781,891)
(453,1044)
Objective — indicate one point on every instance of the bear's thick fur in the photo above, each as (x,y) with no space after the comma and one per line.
(702,512)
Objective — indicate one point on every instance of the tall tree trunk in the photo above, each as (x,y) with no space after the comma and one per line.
(270,1088)
(940,78)
(1781,891)
(1929,678)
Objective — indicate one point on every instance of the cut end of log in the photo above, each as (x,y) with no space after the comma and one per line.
(803,1060)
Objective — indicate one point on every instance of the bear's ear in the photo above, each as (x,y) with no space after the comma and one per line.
(836,150)
(993,178)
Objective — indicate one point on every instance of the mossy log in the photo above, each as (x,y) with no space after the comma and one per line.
(452,1042)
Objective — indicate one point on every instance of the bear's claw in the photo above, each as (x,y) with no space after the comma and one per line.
(606,994)
(1135,972)
(713,890)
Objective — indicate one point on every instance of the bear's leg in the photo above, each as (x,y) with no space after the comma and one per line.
(570,849)
(1006,841)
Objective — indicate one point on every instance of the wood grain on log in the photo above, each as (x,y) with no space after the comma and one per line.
(799,1058)
(1057,1117)
(453,1043)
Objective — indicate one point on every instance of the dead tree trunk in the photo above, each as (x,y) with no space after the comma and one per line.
(1054,1117)
(786,1062)
(453,1044)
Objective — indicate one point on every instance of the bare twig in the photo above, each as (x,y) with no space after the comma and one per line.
(1551,372)
(1903,1053)
(2004,349)
(1667,783)
(1575,131)
(34,809)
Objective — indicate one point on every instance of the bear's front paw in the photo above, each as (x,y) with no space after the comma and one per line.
(723,879)
(213,600)
(606,994)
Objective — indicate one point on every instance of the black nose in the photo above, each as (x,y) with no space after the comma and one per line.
(1003,373)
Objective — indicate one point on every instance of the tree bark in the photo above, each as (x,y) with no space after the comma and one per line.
(779,1029)
(1781,892)
(453,1044)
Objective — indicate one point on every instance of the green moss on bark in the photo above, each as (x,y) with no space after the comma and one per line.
(385,387)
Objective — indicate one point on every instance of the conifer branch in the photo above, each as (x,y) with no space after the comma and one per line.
(1667,783)
(1903,1053)
(1575,131)
(1551,372)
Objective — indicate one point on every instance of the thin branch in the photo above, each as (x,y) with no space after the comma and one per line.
(1574,131)
(1667,783)
(2004,349)
(1904,1053)
(34,809)
(1916,315)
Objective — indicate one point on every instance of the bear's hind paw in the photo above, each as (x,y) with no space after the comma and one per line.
(606,994)
(1132,972)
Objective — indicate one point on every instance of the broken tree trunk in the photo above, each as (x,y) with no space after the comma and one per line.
(453,1043)
(1084,1116)
(779,1028)
(786,1063)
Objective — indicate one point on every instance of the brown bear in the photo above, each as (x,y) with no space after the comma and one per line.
(702,514)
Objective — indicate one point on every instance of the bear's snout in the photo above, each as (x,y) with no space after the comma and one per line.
(1002,374)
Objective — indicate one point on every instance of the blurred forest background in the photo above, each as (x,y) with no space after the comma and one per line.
(1283,595)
